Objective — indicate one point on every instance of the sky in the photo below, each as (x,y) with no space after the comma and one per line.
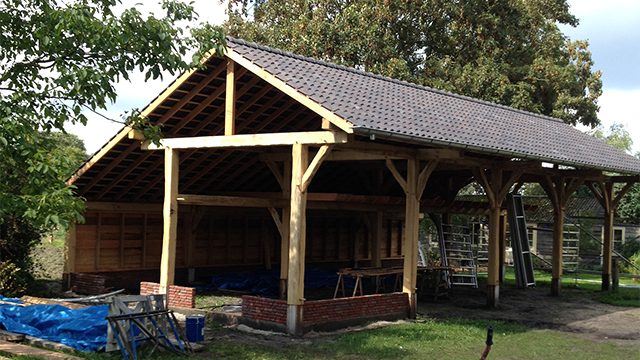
(611,27)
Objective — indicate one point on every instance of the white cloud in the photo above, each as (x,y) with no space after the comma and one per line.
(621,107)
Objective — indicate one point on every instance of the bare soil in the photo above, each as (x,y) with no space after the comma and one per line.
(533,308)
(537,309)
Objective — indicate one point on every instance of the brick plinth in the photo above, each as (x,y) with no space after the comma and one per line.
(324,312)
(177,295)
(90,284)
(264,309)
(321,311)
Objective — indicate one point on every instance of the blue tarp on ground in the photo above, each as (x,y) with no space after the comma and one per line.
(267,282)
(84,329)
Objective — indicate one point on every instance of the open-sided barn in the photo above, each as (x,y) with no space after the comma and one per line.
(271,159)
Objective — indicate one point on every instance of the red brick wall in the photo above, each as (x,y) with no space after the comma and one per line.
(178,295)
(264,309)
(90,284)
(322,311)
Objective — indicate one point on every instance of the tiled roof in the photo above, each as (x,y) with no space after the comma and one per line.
(391,108)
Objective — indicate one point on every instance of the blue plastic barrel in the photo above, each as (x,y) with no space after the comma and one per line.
(195,328)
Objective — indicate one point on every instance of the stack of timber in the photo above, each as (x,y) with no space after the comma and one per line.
(9,345)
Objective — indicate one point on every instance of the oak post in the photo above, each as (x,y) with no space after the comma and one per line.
(230,101)
(297,232)
(493,271)
(607,247)
(284,245)
(556,252)
(412,223)
(503,247)
(170,219)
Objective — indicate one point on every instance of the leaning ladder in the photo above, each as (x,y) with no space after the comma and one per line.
(456,252)
(522,261)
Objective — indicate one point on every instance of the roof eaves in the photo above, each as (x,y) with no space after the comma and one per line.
(390,135)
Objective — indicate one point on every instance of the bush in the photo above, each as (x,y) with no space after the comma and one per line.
(629,248)
(17,239)
(11,282)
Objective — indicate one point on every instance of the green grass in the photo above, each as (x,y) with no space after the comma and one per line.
(57,238)
(452,339)
(621,297)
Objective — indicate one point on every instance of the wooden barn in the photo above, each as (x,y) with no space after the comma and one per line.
(274,160)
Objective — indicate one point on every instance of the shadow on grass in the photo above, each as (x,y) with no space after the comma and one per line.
(427,339)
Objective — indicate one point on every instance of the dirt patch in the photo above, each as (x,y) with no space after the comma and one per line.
(537,309)
(533,308)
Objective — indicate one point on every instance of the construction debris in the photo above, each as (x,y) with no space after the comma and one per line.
(147,323)
(30,300)
(24,350)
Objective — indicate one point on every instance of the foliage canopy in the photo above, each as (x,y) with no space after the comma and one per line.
(60,59)
(505,51)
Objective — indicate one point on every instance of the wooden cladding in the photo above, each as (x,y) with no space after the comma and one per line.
(116,241)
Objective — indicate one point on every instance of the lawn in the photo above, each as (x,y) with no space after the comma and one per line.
(431,339)
(453,339)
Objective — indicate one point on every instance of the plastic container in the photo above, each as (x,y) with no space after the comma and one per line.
(195,328)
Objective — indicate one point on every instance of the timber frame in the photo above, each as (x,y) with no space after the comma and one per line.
(251,146)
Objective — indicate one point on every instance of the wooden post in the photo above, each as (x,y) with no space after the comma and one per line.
(297,233)
(605,195)
(559,190)
(412,225)
(230,103)
(493,271)
(615,280)
(503,247)
(284,245)
(496,189)
(376,241)
(556,252)
(170,219)
(413,187)
(607,247)
(69,255)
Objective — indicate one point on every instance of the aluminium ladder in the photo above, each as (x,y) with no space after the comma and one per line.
(522,262)
(456,252)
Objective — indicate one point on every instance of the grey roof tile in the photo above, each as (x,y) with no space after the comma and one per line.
(392,107)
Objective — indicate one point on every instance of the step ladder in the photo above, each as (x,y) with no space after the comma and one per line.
(522,262)
(457,252)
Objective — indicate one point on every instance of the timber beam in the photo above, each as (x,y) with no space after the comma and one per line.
(239,141)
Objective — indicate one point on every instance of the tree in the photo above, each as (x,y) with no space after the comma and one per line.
(60,59)
(505,51)
(616,136)
(70,147)
(57,61)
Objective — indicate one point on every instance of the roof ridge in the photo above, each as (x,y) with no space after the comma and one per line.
(385,78)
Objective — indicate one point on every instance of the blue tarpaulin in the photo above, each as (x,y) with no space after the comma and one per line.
(267,283)
(84,329)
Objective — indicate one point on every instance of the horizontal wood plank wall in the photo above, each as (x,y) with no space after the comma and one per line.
(133,241)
